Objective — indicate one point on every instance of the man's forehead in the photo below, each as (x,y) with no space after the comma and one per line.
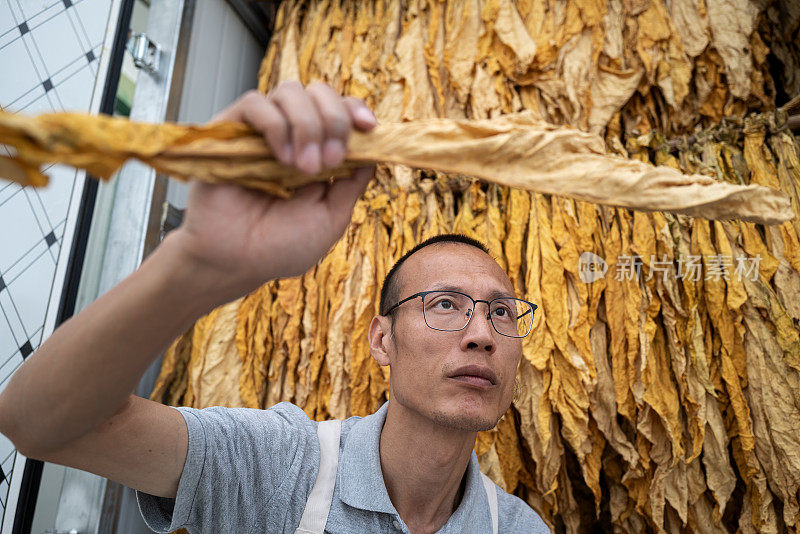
(453,266)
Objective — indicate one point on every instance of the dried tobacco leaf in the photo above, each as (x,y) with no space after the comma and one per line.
(514,150)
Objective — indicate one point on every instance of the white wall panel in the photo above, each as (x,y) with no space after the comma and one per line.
(223,63)
(49,56)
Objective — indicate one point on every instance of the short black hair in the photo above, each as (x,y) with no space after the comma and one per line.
(390,292)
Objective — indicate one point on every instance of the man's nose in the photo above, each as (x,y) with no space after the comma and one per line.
(479,333)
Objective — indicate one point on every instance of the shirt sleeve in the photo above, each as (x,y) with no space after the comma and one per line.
(236,459)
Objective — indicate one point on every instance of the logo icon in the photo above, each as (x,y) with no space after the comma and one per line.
(591,267)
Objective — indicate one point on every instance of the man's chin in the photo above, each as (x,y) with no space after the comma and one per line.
(464,421)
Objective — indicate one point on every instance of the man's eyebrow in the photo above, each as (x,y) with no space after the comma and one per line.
(497,293)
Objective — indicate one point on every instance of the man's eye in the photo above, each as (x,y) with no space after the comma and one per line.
(445,304)
(502,312)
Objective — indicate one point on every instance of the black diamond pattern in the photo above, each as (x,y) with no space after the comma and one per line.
(2,283)
(47,84)
(50,239)
(26,349)
(67,3)
(23,28)
(90,56)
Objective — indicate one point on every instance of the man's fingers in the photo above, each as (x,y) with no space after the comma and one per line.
(362,116)
(306,125)
(255,109)
(265,117)
(307,128)
(336,122)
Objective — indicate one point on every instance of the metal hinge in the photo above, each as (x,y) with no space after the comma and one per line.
(146,53)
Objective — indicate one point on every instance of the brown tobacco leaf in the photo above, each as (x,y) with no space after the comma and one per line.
(515,150)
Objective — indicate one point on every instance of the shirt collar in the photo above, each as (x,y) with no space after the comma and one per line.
(360,475)
(361,478)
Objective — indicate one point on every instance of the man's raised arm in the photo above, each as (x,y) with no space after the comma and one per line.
(71,401)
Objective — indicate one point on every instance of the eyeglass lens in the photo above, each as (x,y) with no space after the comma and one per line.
(445,310)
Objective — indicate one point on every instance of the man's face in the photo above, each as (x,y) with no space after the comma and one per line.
(429,368)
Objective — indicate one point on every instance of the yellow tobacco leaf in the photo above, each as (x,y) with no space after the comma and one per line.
(510,453)
(515,150)
(519,204)
(267,69)
(753,245)
(462,30)
(314,20)
(633,308)
(305,377)
(291,299)
(276,370)
(418,99)
(604,406)
(433,53)
(410,220)
(611,89)
(690,20)
(553,286)
(539,426)
(484,441)
(786,279)
(361,396)
(175,356)
(316,362)
(551,29)
(731,23)
(489,464)
(570,400)
(567,235)
(538,345)
(254,345)
(288,62)
(495,223)
(785,147)
(517,48)
(215,367)
(615,312)
(660,393)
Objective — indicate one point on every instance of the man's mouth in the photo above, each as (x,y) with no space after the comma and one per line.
(475,375)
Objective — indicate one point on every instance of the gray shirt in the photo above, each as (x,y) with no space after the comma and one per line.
(252,470)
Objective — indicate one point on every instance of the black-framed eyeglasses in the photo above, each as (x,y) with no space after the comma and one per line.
(449,311)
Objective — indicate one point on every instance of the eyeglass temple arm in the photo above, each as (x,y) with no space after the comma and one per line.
(415,295)
(533,308)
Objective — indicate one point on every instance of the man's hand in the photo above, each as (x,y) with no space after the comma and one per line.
(240,237)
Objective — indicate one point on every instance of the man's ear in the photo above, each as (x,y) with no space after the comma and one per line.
(380,338)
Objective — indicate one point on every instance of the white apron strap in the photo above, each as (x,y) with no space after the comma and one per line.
(491,493)
(318,506)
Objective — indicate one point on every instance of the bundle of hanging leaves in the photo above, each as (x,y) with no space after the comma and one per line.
(661,392)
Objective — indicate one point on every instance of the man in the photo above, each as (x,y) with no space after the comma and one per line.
(407,468)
